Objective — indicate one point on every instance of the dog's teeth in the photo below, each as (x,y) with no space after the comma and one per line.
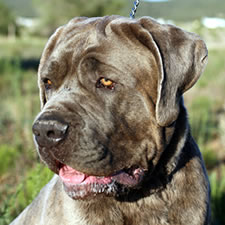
(94,188)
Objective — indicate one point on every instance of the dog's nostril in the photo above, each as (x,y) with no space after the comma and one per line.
(51,134)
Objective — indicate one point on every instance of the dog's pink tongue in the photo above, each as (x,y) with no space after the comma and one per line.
(70,175)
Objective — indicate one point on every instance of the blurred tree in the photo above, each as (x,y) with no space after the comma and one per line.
(21,8)
(54,13)
(182,10)
(7,20)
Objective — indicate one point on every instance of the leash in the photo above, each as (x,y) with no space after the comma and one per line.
(134,9)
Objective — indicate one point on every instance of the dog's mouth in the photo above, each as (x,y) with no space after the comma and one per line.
(79,185)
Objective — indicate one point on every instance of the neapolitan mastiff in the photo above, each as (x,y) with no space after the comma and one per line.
(114,129)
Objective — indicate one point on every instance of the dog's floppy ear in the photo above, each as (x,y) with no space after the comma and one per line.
(183,57)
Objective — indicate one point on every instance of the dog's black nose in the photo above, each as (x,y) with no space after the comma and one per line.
(49,133)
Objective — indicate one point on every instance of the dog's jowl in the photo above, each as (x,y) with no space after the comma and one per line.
(114,129)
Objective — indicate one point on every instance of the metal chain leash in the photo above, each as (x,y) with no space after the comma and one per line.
(133,11)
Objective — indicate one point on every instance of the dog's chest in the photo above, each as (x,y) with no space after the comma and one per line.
(146,212)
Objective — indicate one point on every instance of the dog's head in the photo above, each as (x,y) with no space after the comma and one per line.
(109,88)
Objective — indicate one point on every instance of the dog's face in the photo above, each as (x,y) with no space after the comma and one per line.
(110,89)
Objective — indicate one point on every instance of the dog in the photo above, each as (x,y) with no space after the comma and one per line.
(114,128)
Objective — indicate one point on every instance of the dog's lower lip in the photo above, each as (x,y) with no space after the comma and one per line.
(79,185)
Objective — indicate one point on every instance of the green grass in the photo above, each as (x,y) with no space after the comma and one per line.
(217,180)
(215,68)
(23,47)
(19,101)
(9,156)
(203,120)
(24,193)
(19,104)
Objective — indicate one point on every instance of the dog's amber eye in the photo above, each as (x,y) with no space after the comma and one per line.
(103,82)
(47,83)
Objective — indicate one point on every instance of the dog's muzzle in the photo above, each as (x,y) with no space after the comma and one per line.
(50,130)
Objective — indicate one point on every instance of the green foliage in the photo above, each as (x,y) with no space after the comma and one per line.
(35,180)
(63,11)
(20,102)
(215,68)
(8,156)
(175,9)
(179,10)
(13,50)
(24,193)
(6,18)
(19,105)
(210,158)
(21,7)
(217,181)
(202,119)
